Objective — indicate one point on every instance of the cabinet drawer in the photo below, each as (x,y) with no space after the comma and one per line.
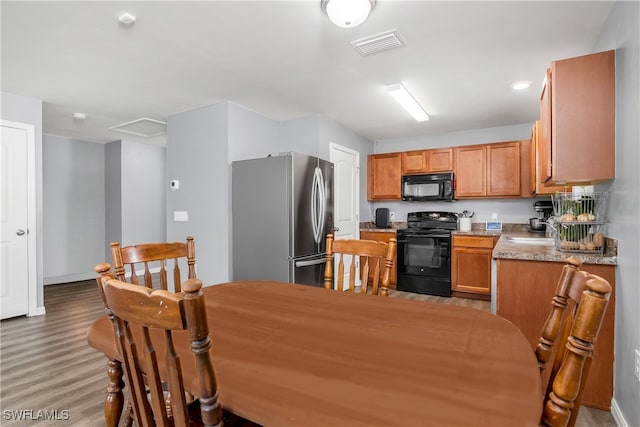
(474,241)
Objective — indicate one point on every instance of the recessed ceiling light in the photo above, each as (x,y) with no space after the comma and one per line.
(79,116)
(520,85)
(127,18)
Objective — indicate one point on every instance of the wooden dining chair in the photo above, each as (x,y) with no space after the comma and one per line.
(136,311)
(566,344)
(376,259)
(136,263)
(154,266)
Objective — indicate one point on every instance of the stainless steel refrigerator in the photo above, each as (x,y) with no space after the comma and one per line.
(282,210)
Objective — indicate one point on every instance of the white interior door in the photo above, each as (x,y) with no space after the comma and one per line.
(14,219)
(346,183)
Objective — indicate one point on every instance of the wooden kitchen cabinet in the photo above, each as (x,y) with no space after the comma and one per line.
(538,166)
(471,265)
(427,161)
(384,175)
(381,236)
(470,172)
(440,160)
(488,170)
(415,162)
(524,293)
(577,114)
(503,169)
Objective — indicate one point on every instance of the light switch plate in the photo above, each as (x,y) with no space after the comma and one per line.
(180,216)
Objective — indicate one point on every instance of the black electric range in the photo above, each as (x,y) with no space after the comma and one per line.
(424,253)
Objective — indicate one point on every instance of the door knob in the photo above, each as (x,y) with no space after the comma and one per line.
(336,228)
(20,232)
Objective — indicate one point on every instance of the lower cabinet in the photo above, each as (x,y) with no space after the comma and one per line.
(381,236)
(524,293)
(471,265)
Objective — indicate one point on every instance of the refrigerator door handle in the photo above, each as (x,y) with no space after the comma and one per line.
(314,205)
(323,205)
(311,262)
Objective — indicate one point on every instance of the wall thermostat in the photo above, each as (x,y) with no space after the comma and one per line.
(174,184)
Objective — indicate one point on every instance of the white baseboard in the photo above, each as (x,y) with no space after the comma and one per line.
(39,312)
(617,414)
(88,276)
(69,278)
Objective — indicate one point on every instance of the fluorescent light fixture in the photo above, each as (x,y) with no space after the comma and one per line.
(347,13)
(405,99)
(521,85)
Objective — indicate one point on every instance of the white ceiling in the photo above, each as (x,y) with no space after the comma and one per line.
(285,59)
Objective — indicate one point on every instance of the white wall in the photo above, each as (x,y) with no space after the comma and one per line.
(113,196)
(143,194)
(197,155)
(251,135)
(508,210)
(21,109)
(623,34)
(74,202)
(135,184)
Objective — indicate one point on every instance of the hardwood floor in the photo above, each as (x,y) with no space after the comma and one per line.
(46,364)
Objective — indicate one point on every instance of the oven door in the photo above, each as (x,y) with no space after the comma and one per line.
(424,262)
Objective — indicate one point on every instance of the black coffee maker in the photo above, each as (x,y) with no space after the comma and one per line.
(538,224)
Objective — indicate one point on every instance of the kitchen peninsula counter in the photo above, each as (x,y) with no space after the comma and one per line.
(524,279)
(505,249)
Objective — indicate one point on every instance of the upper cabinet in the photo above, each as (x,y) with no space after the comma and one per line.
(427,161)
(440,160)
(577,120)
(538,166)
(415,162)
(488,170)
(471,170)
(384,175)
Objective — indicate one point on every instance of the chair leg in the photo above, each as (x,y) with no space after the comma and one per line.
(128,416)
(114,401)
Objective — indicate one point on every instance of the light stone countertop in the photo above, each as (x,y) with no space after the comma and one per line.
(505,249)
(520,251)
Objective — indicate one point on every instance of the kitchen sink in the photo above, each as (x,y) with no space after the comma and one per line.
(540,241)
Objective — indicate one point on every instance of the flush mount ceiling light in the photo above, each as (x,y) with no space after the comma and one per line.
(520,85)
(347,13)
(404,98)
(79,116)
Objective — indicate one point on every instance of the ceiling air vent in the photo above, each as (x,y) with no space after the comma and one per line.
(378,43)
(145,127)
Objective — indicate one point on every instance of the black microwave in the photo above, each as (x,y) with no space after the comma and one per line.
(428,187)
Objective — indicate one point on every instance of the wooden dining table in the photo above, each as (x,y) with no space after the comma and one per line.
(294,355)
